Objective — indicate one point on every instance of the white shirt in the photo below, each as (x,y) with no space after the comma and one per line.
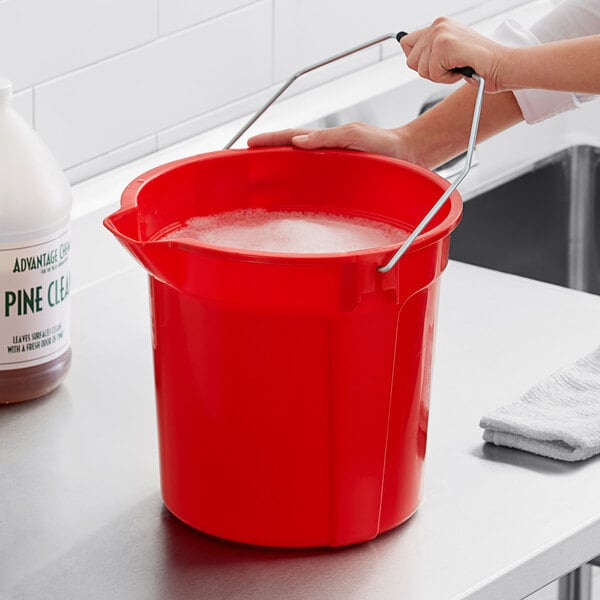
(570,18)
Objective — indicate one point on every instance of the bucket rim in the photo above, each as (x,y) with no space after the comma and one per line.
(132,190)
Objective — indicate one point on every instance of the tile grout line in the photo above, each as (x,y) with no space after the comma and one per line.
(90,284)
(157,29)
(273,42)
(33,111)
(134,48)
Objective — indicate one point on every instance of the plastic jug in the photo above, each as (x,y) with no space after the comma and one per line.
(35,211)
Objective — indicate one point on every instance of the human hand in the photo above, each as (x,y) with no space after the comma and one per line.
(434,51)
(352,136)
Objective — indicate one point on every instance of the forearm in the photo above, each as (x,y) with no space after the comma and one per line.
(442,132)
(568,65)
(430,140)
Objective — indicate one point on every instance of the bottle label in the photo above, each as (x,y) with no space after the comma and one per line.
(35,281)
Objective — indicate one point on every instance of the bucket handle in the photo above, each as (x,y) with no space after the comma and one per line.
(465,71)
(288,83)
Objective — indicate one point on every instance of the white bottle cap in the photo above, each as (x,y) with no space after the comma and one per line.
(5,88)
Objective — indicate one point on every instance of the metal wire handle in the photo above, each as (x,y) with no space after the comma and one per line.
(466,71)
(471,147)
(286,85)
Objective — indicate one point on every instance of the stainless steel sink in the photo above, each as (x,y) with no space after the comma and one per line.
(542,219)
(543,223)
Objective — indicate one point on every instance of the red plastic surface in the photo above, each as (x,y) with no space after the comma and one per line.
(292,390)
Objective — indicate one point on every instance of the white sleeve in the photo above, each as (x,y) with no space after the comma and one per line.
(571,18)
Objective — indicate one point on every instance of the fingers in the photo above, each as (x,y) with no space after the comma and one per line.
(417,49)
(352,136)
(275,138)
(432,51)
(345,136)
(408,41)
(355,136)
(303,138)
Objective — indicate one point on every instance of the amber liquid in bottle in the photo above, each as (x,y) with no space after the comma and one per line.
(29,383)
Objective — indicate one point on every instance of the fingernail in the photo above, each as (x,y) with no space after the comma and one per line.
(300,138)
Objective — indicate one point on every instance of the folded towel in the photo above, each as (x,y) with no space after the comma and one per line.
(559,417)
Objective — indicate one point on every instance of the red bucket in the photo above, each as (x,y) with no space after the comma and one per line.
(292,390)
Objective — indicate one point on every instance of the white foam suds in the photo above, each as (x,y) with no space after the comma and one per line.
(290,232)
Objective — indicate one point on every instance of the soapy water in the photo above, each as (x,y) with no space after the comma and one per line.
(289,232)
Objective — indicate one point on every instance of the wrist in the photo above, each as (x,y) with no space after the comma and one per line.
(506,77)
(407,145)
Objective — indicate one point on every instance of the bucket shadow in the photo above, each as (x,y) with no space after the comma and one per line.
(148,553)
(224,569)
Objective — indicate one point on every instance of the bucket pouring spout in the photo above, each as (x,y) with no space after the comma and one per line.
(161,259)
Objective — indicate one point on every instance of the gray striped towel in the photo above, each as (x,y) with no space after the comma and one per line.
(559,417)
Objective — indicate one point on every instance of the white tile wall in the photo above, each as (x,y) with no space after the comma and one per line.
(113,159)
(42,39)
(179,14)
(23,103)
(223,114)
(309,30)
(105,81)
(130,96)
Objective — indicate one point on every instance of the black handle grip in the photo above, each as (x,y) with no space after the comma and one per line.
(466,71)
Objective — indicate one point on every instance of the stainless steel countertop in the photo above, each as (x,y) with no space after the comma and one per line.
(80,508)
